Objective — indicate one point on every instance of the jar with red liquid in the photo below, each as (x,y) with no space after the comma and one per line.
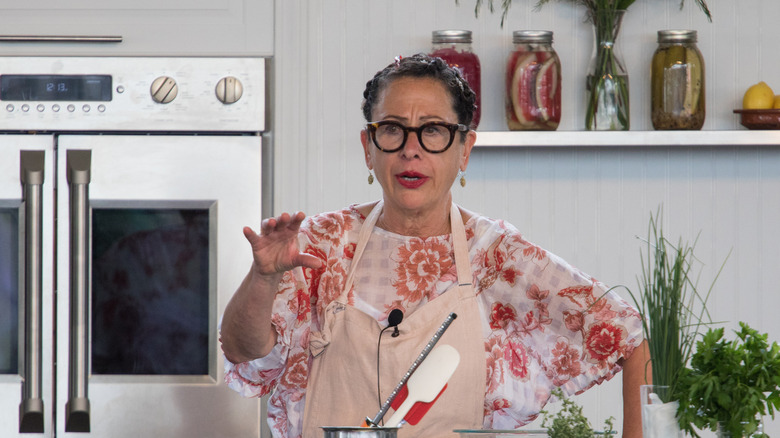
(533,82)
(454,46)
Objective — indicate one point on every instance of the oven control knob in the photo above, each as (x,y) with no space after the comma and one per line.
(229,90)
(164,89)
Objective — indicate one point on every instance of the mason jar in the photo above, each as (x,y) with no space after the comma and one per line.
(677,82)
(454,46)
(533,82)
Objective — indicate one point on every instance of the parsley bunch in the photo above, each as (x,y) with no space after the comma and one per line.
(730,382)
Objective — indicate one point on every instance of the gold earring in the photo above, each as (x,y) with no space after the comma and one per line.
(462,178)
(370,178)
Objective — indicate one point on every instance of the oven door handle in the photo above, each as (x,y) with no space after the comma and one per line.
(61,38)
(77,415)
(31,174)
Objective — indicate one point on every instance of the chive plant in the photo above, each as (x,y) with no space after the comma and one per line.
(673,310)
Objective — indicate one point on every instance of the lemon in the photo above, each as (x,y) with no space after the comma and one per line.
(777,102)
(758,96)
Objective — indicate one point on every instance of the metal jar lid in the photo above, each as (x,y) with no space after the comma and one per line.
(451,36)
(532,36)
(676,36)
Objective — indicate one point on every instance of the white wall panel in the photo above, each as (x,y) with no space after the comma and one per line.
(147,27)
(591,206)
(585,204)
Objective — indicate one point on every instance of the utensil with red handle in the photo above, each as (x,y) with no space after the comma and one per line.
(425,386)
(423,354)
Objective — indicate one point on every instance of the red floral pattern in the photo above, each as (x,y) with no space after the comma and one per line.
(420,264)
(300,305)
(517,359)
(565,363)
(496,406)
(331,283)
(574,320)
(604,340)
(499,260)
(329,227)
(522,289)
(495,365)
(297,371)
(501,315)
(531,251)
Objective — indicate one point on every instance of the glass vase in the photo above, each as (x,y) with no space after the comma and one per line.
(659,413)
(723,432)
(607,79)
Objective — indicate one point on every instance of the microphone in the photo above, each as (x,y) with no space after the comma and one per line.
(393,319)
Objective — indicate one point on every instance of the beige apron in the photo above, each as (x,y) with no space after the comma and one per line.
(342,382)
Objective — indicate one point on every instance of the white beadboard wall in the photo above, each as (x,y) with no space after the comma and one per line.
(586,204)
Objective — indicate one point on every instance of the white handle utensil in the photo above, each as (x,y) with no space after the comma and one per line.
(428,380)
(423,354)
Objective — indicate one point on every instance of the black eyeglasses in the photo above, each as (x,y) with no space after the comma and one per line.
(434,137)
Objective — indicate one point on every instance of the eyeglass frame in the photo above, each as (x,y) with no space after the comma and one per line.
(371,127)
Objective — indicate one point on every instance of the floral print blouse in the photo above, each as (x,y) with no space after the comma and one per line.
(545,323)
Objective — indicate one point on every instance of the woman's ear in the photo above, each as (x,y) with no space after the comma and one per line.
(366,142)
(471,139)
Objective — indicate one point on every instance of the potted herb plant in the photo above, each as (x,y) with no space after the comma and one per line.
(730,384)
(673,313)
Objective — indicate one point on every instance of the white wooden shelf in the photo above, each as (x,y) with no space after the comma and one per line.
(626,138)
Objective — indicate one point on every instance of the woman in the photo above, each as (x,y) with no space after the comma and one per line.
(305,322)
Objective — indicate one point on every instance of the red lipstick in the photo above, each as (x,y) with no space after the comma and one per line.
(411,180)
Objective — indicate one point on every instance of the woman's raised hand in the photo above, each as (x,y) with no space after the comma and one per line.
(275,249)
(247,332)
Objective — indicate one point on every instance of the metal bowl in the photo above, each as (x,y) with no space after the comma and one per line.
(359,432)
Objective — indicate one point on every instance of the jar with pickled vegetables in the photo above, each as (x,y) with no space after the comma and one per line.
(454,46)
(533,82)
(677,82)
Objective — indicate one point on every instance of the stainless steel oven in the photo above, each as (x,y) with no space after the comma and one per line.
(124,185)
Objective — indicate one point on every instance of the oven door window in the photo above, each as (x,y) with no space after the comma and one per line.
(151,289)
(9,289)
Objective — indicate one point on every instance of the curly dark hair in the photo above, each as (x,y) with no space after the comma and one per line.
(423,66)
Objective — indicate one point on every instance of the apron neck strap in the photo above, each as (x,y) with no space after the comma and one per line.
(365,234)
(460,246)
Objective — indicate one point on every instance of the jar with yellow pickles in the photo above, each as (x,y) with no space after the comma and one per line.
(677,78)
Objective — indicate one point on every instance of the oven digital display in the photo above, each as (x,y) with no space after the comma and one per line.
(76,88)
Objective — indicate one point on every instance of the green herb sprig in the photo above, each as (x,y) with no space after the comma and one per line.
(591,5)
(570,422)
(730,382)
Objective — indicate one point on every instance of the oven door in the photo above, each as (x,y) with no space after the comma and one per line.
(154,229)
(148,250)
